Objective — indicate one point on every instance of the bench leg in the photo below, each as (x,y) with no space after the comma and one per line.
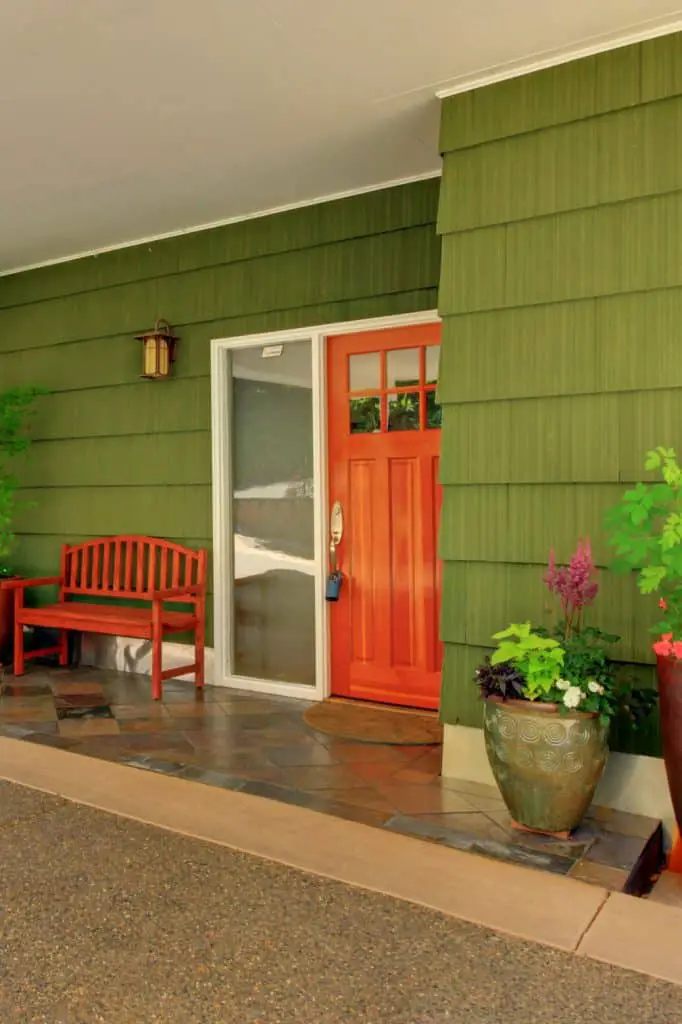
(63,648)
(199,656)
(19,661)
(157,682)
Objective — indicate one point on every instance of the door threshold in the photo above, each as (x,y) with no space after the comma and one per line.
(383,707)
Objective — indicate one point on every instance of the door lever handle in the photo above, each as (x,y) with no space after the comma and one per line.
(335,532)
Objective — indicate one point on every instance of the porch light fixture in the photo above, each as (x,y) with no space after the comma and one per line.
(158,351)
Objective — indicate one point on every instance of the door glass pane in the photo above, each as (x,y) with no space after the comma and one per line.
(365,415)
(433,411)
(432,358)
(403,411)
(365,371)
(402,367)
(273,594)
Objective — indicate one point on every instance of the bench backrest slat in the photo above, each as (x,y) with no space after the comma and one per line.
(117,566)
(127,564)
(130,567)
(96,555)
(152,568)
(73,575)
(105,548)
(163,570)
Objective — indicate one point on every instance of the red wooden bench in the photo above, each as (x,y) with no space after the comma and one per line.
(140,569)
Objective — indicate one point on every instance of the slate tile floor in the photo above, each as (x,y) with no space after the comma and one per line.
(261,745)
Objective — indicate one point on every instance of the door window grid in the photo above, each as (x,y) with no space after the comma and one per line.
(407,404)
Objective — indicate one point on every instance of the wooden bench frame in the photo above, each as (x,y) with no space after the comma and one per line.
(125,568)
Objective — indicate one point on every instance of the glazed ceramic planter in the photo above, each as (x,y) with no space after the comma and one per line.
(547,764)
(669,672)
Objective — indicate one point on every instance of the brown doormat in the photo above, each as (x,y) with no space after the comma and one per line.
(372,723)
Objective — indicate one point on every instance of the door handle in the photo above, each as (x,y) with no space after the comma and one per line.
(335,532)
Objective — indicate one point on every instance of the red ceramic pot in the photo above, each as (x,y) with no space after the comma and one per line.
(670,698)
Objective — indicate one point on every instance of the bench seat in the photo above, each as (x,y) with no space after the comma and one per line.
(106,618)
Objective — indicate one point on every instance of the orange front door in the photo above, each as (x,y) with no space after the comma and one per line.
(384,443)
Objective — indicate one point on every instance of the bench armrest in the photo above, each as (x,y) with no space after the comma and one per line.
(195,590)
(43,581)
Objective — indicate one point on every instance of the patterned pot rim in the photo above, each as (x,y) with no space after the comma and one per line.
(538,706)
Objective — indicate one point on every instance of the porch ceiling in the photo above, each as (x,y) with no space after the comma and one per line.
(124,119)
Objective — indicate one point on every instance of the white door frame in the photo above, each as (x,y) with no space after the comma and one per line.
(222,492)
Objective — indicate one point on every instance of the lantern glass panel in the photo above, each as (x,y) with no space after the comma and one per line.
(150,357)
(163,363)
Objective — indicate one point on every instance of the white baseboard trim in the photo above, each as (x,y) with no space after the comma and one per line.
(631,782)
(127,654)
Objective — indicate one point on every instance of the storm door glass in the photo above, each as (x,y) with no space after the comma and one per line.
(273,592)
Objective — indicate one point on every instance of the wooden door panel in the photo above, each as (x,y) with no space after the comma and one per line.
(400,517)
(361,566)
(384,629)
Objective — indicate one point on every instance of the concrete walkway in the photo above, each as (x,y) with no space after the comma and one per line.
(108,919)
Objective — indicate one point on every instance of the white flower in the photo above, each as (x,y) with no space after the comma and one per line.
(573,696)
(594,687)
(562,684)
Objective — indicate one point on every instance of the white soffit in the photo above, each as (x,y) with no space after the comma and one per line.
(125,120)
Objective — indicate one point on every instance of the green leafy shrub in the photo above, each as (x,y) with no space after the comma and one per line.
(646,533)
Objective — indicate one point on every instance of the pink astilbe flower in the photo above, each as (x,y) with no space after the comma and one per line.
(573,584)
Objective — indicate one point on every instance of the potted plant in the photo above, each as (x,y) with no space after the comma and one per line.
(646,532)
(549,698)
(15,406)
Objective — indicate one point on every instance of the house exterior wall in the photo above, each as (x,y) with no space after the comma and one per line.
(561,297)
(117,454)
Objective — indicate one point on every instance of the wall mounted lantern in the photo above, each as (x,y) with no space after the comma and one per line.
(158,351)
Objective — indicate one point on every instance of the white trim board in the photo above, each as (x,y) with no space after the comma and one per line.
(222,490)
(653,29)
(226,222)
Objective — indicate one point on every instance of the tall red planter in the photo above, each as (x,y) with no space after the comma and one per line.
(670,699)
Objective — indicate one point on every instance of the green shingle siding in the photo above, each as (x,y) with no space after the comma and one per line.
(561,293)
